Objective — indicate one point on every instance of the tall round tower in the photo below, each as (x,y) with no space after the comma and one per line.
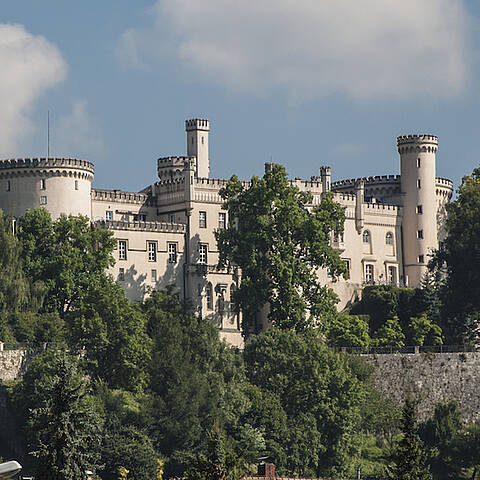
(417,166)
(61,185)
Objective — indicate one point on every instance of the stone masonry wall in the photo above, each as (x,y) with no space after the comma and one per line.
(13,363)
(430,378)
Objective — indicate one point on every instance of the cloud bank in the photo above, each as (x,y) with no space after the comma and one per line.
(369,49)
(30,66)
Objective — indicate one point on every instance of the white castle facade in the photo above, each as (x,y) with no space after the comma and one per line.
(165,232)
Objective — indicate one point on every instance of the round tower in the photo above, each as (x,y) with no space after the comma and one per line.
(197,144)
(417,165)
(61,185)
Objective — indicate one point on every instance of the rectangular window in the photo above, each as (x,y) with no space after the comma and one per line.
(108,215)
(152,252)
(43,200)
(172,253)
(139,217)
(369,273)
(43,184)
(202,253)
(122,249)
(419,233)
(172,218)
(76,184)
(419,184)
(418,163)
(347,265)
(9,185)
(421,259)
(392,275)
(222,220)
(419,209)
(202,219)
(121,274)
(154,275)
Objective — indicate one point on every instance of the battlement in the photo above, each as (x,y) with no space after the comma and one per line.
(377,179)
(119,196)
(417,139)
(197,124)
(141,226)
(382,206)
(49,162)
(444,181)
(173,161)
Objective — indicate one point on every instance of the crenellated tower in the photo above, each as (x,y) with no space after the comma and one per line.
(197,144)
(417,164)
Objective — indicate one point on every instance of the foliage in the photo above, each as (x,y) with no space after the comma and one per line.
(389,335)
(279,244)
(466,451)
(64,421)
(439,435)
(408,461)
(67,255)
(458,257)
(318,392)
(114,333)
(348,331)
(424,331)
(219,462)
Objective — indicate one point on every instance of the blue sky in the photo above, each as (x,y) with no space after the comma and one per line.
(302,82)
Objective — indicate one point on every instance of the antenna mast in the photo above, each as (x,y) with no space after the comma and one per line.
(48,134)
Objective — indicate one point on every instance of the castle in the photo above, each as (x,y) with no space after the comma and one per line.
(165,232)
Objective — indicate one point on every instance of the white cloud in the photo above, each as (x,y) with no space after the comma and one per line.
(76,134)
(367,49)
(30,66)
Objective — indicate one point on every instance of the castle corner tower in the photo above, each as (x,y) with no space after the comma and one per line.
(197,144)
(417,165)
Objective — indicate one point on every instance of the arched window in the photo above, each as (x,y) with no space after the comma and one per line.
(389,238)
(366,236)
(209,295)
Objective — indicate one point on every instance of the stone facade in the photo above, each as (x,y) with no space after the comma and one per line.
(165,232)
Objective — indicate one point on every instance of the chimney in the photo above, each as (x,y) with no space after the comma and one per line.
(266,470)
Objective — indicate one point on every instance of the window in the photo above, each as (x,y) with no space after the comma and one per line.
(43,184)
(202,219)
(418,163)
(172,218)
(232,297)
(108,215)
(222,220)
(154,275)
(209,295)
(139,217)
(389,238)
(172,253)
(43,200)
(76,184)
(419,209)
(347,265)
(202,253)
(419,184)
(121,274)
(202,140)
(392,275)
(152,252)
(122,249)
(199,289)
(9,185)
(369,273)
(366,236)
(419,233)
(421,259)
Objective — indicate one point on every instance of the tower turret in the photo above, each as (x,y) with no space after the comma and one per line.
(197,144)
(417,165)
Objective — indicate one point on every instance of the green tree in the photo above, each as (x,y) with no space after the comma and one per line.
(408,462)
(64,421)
(67,255)
(219,462)
(279,243)
(458,257)
(424,332)
(319,393)
(348,331)
(439,435)
(466,451)
(389,335)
